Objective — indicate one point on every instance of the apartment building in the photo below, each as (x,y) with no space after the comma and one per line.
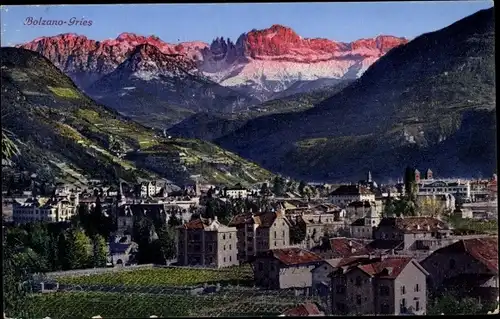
(378,285)
(208,243)
(52,210)
(346,194)
(260,232)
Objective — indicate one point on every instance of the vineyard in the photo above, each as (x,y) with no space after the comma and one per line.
(238,275)
(230,302)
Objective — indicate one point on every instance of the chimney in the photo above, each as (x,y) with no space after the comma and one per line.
(215,218)
(350,243)
(418,227)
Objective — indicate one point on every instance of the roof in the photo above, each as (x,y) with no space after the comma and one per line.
(265,219)
(414,224)
(484,250)
(384,267)
(344,247)
(292,256)
(119,248)
(359,222)
(306,309)
(351,190)
(356,204)
(205,224)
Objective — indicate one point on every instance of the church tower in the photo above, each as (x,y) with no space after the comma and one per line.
(369,177)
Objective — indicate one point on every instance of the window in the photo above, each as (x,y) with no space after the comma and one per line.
(230,235)
(223,236)
(385,309)
(224,259)
(224,247)
(384,291)
(358,281)
(275,243)
(417,306)
(417,288)
(340,289)
(274,234)
(402,306)
(230,247)
(358,299)
(210,248)
(283,233)
(452,263)
(403,290)
(230,258)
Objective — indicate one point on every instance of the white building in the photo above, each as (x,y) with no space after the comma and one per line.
(236,192)
(150,189)
(371,214)
(346,194)
(462,188)
(50,210)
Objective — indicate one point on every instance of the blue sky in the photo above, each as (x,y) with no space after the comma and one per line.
(189,22)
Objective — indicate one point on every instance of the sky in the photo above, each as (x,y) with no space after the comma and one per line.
(173,23)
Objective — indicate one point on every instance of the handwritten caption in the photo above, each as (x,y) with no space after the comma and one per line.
(74,21)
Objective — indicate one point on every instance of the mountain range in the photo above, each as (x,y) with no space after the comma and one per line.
(312,109)
(63,134)
(160,84)
(428,103)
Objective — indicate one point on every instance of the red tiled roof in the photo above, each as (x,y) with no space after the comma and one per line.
(293,256)
(306,309)
(484,250)
(265,219)
(414,224)
(194,224)
(385,267)
(341,248)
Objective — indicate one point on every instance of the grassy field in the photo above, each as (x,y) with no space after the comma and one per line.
(88,304)
(77,305)
(166,277)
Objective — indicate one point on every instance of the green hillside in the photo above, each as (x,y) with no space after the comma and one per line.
(63,133)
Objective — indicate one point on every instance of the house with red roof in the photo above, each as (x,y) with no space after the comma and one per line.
(285,268)
(468,267)
(370,285)
(207,242)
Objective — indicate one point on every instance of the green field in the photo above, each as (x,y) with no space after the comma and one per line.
(166,277)
(134,305)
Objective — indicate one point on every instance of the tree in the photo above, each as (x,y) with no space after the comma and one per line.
(264,189)
(297,231)
(77,253)
(430,206)
(302,186)
(100,251)
(279,186)
(449,304)
(404,207)
(411,187)
(167,243)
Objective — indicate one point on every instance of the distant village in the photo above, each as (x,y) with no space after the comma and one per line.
(361,247)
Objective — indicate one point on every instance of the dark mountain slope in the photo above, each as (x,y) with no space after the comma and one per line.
(63,133)
(419,96)
(163,85)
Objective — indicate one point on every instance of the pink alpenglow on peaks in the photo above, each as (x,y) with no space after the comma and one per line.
(257,58)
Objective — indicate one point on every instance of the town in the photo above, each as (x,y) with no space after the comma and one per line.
(359,248)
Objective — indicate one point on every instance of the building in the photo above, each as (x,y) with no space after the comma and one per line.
(44,209)
(308,309)
(236,192)
(151,188)
(317,225)
(207,243)
(468,266)
(260,232)
(285,268)
(460,188)
(320,276)
(341,247)
(360,209)
(378,285)
(346,194)
(122,253)
(413,233)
